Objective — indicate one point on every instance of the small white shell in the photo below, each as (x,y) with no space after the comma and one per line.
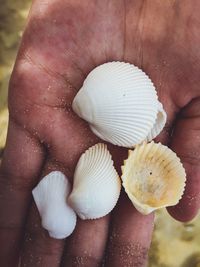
(120,103)
(153,177)
(50,196)
(96,186)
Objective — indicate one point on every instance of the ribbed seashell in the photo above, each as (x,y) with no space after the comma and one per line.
(50,196)
(120,103)
(153,177)
(96,186)
(159,123)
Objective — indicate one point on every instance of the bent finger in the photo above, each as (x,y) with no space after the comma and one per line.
(21,165)
(186,143)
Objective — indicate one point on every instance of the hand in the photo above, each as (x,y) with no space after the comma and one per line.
(62,43)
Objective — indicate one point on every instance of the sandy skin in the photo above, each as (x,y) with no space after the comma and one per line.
(63,41)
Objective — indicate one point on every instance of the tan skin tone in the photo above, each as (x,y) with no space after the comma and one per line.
(63,41)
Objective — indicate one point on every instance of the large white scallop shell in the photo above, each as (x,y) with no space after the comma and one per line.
(153,177)
(96,186)
(50,196)
(120,103)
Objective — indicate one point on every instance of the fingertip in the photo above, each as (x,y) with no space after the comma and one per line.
(185,211)
(180,216)
(189,205)
(185,143)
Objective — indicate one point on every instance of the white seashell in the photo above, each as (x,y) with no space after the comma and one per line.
(96,186)
(50,196)
(153,177)
(120,103)
(159,123)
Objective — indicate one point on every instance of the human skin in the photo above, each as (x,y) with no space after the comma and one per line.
(63,41)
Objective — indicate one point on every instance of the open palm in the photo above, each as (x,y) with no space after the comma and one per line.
(63,41)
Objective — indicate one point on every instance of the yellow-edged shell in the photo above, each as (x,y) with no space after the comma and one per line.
(153,177)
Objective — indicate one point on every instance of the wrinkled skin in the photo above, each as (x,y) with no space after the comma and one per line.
(63,41)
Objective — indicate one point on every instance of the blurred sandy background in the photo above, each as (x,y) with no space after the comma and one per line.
(174,244)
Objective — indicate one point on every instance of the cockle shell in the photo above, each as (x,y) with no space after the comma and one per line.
(120,103)
(50,196)
(96,186)
(158,124)
(153,177)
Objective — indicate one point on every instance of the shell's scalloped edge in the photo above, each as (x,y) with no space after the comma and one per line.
(145,208)
(126,63)
(95,147)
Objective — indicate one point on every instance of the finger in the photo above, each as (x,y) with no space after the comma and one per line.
(186,143)
(130,236)
(131,232)
(68,150)
(39,249)
(66,141)
(87,244)
(21,165)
